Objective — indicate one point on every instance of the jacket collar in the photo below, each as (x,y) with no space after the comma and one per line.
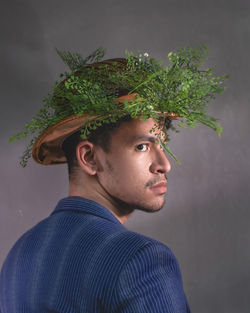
(75,203)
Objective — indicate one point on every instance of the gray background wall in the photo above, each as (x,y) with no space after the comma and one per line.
(206,218)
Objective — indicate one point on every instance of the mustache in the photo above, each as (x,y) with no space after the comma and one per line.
(155,181)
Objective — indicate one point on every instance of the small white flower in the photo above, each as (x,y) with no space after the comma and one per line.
(139,59)
(146,54)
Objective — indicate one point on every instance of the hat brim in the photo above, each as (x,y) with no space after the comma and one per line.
(47,149)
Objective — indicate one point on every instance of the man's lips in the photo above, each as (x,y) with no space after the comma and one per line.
(159,187)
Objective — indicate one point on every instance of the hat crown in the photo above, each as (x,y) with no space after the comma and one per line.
(92,73)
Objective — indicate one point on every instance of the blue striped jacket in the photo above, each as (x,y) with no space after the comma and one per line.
(82,259)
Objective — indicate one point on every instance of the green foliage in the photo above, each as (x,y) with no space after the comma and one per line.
(182,88)
(75,61)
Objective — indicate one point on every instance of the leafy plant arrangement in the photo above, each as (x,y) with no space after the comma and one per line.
(182,89)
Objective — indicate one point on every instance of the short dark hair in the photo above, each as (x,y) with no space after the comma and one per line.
(101,137)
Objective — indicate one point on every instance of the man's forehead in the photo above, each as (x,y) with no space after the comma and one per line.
(136,130)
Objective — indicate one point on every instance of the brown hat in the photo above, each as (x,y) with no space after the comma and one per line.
(47,149)
(87,98)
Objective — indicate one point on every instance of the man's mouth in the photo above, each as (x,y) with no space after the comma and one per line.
(159,187)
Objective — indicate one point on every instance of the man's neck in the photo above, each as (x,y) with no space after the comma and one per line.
(101,198)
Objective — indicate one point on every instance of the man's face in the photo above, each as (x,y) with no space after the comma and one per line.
(132,168)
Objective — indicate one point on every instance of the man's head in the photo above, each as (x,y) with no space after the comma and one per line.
(121,162)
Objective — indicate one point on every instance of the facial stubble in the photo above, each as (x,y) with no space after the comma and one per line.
(125,207)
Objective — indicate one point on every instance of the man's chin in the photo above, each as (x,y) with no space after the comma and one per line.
(126,208)
(151,208)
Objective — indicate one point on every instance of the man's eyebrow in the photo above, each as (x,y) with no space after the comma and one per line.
(136,138)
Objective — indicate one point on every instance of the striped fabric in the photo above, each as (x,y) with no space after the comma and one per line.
(81,259)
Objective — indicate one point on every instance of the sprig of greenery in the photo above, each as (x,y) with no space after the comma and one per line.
(182,88)
(75,61)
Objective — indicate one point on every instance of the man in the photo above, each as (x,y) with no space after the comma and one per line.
(82,258)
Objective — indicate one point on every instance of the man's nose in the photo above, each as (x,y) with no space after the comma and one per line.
(160,163)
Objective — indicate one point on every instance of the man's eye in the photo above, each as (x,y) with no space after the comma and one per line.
(142,147)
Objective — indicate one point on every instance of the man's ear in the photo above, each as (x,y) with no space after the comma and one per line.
(85,154)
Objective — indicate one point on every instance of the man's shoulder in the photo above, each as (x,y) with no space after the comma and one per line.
(138,243)
(81,229)
(85,232)
(81,250)
(97,241)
